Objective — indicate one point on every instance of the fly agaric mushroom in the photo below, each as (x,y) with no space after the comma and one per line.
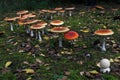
(10,20)
(30,15)
(62,12)
(42,23)
(20,13)
(56,22)
(60,30)
(52,12)
(104,32)
(71,35)
(37,27)
(58,9)
(70,9)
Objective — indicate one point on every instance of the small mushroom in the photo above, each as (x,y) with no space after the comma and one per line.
(60,30)
(10,20)
(52,12)
(71,35)
(44,24)
(58,9)
(56,22)
(37,27)
(62,12)
(70,9)
(104,32)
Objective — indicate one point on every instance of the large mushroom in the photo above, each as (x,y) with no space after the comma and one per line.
(27,22)
(71,35)
(10,20)
(56,22)
(60,30)
(103,32)
(37,27)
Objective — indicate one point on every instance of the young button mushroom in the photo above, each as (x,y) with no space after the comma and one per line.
(70,9)
(56,22)
(104,32)
(71,35)
(60,30)
(105,65)
(10,20)
(20,13)
(37,27)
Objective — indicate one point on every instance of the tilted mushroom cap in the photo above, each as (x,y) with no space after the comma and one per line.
(71,35)
(10,19)
(31,22)
(42,23)
(52,11)
(22,12)
(62,11)
(59,8)
(60,29)
(70,8)
(104,32)
(56,22)
(27,22)
(30,15)
(44,10)
(99,7)
(36,26)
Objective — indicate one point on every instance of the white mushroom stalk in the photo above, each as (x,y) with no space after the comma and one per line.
(60,41)
(11,27)
(39,36)
(31,33)
(36,34)
(70,13)
(43,31)
(103,48)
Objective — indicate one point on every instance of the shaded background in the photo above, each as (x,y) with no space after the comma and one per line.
(10,5)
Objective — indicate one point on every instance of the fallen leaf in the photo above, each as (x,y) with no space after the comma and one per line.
(8,63)
(93,72)
(111,60)
(85,30)
(29,78)
(98,64)
(29,71)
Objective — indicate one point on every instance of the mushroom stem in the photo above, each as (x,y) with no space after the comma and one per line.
(36,35)
(31,33)
(39,36)
(103,45)
(60,41)
(43,32)
(70,13)
(11,26)
(28,30)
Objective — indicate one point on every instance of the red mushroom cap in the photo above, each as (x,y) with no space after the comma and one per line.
(70,35)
